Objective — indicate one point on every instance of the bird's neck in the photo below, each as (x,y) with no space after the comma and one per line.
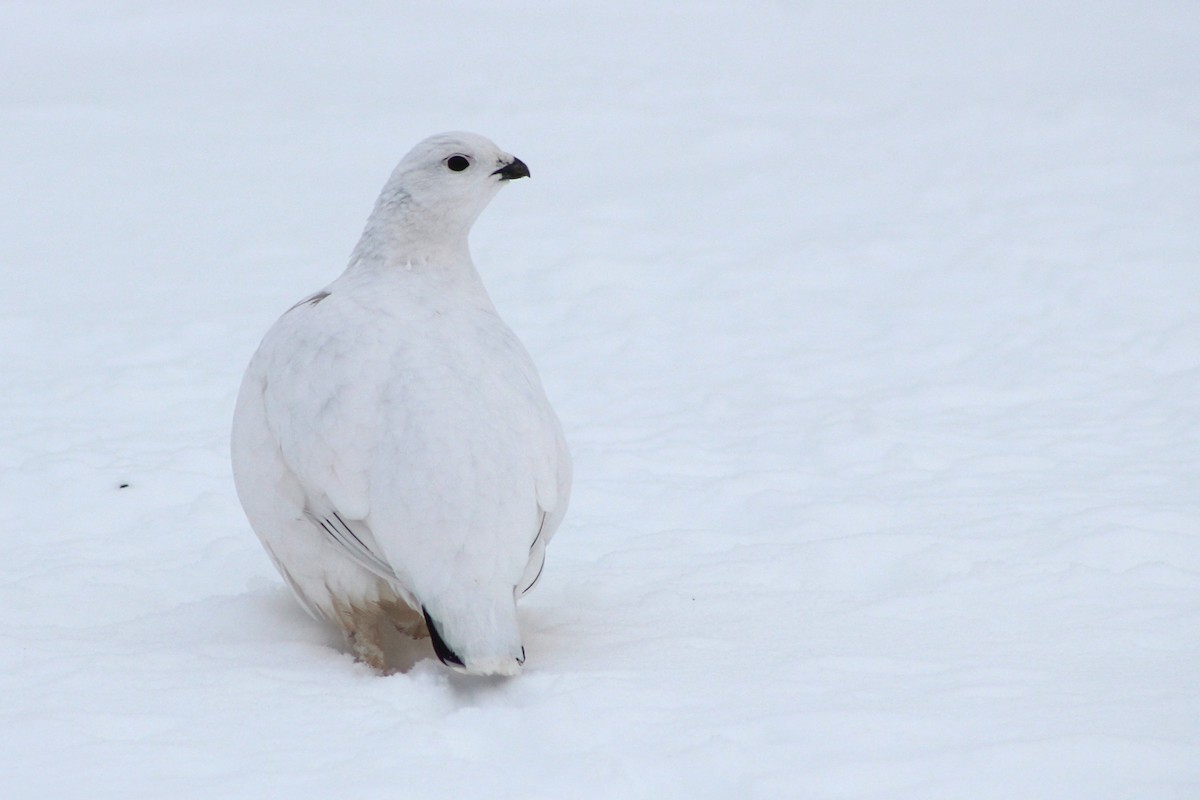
(397,236)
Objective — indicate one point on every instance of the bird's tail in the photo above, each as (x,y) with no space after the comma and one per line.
(476,635)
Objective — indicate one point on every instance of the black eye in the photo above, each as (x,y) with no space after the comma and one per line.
(457,163)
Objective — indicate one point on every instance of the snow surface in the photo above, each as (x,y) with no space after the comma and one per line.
(875,329)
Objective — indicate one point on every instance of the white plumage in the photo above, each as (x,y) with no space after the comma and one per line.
(392,444)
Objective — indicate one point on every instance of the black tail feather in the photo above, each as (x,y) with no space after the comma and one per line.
(447,656)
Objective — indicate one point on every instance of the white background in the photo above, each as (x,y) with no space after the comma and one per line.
(874,327)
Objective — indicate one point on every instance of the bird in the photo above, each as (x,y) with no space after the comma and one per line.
(392,445)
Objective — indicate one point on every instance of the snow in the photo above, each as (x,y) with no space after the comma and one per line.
(874,329)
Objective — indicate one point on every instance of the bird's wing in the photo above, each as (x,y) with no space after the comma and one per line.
(356,540)
(554,494)
(322,406)
(323,412)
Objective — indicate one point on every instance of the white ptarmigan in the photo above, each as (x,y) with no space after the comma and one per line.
(392,444)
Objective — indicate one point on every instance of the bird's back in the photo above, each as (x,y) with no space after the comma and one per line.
(423,420)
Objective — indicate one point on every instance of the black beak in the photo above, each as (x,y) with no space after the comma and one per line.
(510,172)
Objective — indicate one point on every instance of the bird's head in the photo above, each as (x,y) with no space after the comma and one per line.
(443,184)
